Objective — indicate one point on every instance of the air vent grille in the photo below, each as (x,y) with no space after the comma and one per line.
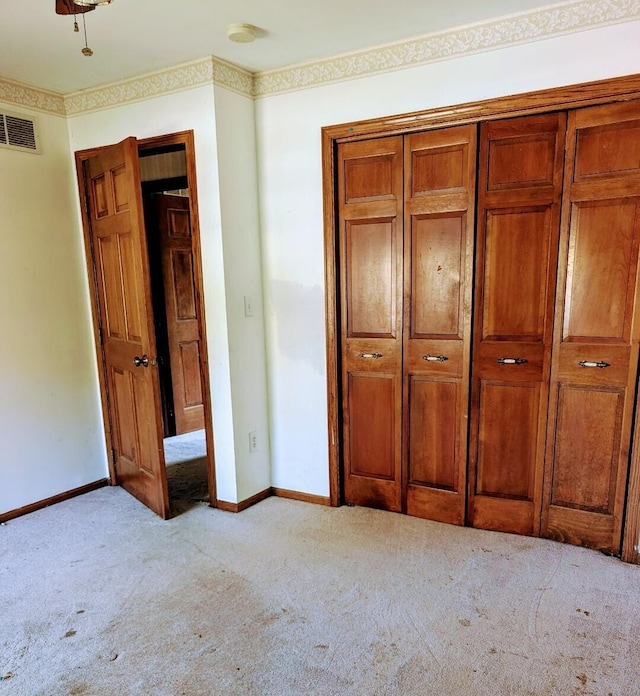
(18,132)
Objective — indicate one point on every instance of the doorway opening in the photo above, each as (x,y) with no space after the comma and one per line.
(142,241)
(166,201)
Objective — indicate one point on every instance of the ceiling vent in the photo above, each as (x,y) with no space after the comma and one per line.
(18,133)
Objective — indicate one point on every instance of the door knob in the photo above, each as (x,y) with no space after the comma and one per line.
(143,361)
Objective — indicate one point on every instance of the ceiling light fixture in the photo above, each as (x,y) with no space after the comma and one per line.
(76,7)
(241,33)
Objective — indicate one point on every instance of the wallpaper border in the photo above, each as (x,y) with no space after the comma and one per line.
(524,27)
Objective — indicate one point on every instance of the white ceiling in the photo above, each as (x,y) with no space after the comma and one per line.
(133,37)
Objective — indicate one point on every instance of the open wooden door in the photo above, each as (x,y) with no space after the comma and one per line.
(185,350)
(118,239)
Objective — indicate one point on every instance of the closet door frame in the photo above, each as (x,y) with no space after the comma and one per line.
(562,98)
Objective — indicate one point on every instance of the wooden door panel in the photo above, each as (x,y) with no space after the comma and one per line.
(433,432)
(437,266)
(369,178)
(508,439)
(579,527)
(587,441)
(438,165)
(597,330)
(120,255)
(123,402)
(611,150)
(518,159)
(370,185)
(603,253)
(519,191)
(371,278)
(184,292)
(190,362)
(372,434)
(515,273)
(99,196)
(108,260)
(183,328)
(132,292)
(439,222)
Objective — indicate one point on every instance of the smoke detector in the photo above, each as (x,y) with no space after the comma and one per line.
(241,33)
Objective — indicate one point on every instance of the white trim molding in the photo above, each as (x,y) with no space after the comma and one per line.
(524,27)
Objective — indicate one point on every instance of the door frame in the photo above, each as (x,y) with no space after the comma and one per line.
(187,139)
(608,91)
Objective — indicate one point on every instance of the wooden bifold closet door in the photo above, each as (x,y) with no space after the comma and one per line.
(520,187)
(370,182)
(595,361)
(522,422)
(440,173)
(406,249)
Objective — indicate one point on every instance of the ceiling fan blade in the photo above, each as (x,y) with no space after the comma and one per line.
(68,7)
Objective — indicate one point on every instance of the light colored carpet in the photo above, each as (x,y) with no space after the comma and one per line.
(182,448)
(185,457)
(98,596)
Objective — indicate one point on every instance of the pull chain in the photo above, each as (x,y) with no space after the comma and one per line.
(86,51)
(76,29)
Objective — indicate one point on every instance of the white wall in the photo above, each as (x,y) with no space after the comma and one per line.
(195,110)
(290,181)
(51,431)
(235,128)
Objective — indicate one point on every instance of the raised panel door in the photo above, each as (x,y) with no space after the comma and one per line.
(597,330)
(438,248)
(519,191)
(183,330)
(127,329)
(370,186)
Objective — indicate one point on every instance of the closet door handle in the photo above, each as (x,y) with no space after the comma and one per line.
(435,358)
(591,363)
(141,362)
(512,361)
(371,356)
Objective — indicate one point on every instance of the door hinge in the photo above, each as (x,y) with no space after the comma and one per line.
(100,337)
(113,456)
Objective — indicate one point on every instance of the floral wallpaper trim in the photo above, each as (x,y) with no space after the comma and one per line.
(31,97)
(524,27)
(187,76)
(547,22)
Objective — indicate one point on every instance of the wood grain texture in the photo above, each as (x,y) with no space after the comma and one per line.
(302,497)
(278,492)
(178,273)
(519,191)
(591,410)
(186,139)
(124,294)
(332,319)
(440,175)
(370,204)
(618,89)
(59,498)
(625,92)
(225,506)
